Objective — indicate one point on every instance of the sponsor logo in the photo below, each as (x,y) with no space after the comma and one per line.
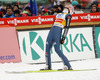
(15,21)
(9,57)
(40,20)
(89,17)
(79,43)
(36,42)
(74,18)
(1,22)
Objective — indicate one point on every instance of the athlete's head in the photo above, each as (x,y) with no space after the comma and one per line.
(70,8)
(66,10)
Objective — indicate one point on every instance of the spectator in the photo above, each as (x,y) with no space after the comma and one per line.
(74,3)
(44,12)
(95,3)
(9,13)
(41,8)
(50,11)
(29,11)
(39,13)
(25,14)
(78,9)
(94,9)
(3,12)
(16,13)
(16,7)
(0,14)
(20,10)
(55,10)
(60,8)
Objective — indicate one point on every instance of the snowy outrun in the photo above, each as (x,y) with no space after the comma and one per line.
(68,75)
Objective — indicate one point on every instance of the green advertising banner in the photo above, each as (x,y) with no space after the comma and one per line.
(97,37)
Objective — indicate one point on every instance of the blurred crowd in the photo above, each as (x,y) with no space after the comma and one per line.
(75,8)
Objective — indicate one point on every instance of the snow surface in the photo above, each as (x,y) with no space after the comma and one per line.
(69,75)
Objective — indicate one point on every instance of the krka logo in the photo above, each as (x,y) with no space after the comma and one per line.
(34,44)
(35,41)
(83,43)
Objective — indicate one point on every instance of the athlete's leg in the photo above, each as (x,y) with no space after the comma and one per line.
(57,38)
(49,43)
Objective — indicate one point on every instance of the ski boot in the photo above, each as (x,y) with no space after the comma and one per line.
(46,68)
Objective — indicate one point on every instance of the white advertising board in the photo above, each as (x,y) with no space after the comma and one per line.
(78,45)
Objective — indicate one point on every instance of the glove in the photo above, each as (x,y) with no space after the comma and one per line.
(62,40)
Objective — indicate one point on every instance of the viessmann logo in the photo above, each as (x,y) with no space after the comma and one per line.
(15,21)
(1,22)
(35,42)
(89,17)
(40,20)
(74,18)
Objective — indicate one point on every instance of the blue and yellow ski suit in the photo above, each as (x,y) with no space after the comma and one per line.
(54,36)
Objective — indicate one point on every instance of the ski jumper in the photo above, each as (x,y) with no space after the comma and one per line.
(54,36)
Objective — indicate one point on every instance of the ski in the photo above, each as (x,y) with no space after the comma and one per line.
(42,71)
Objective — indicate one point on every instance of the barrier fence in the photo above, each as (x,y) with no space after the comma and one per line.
(45,21)
(80,42)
